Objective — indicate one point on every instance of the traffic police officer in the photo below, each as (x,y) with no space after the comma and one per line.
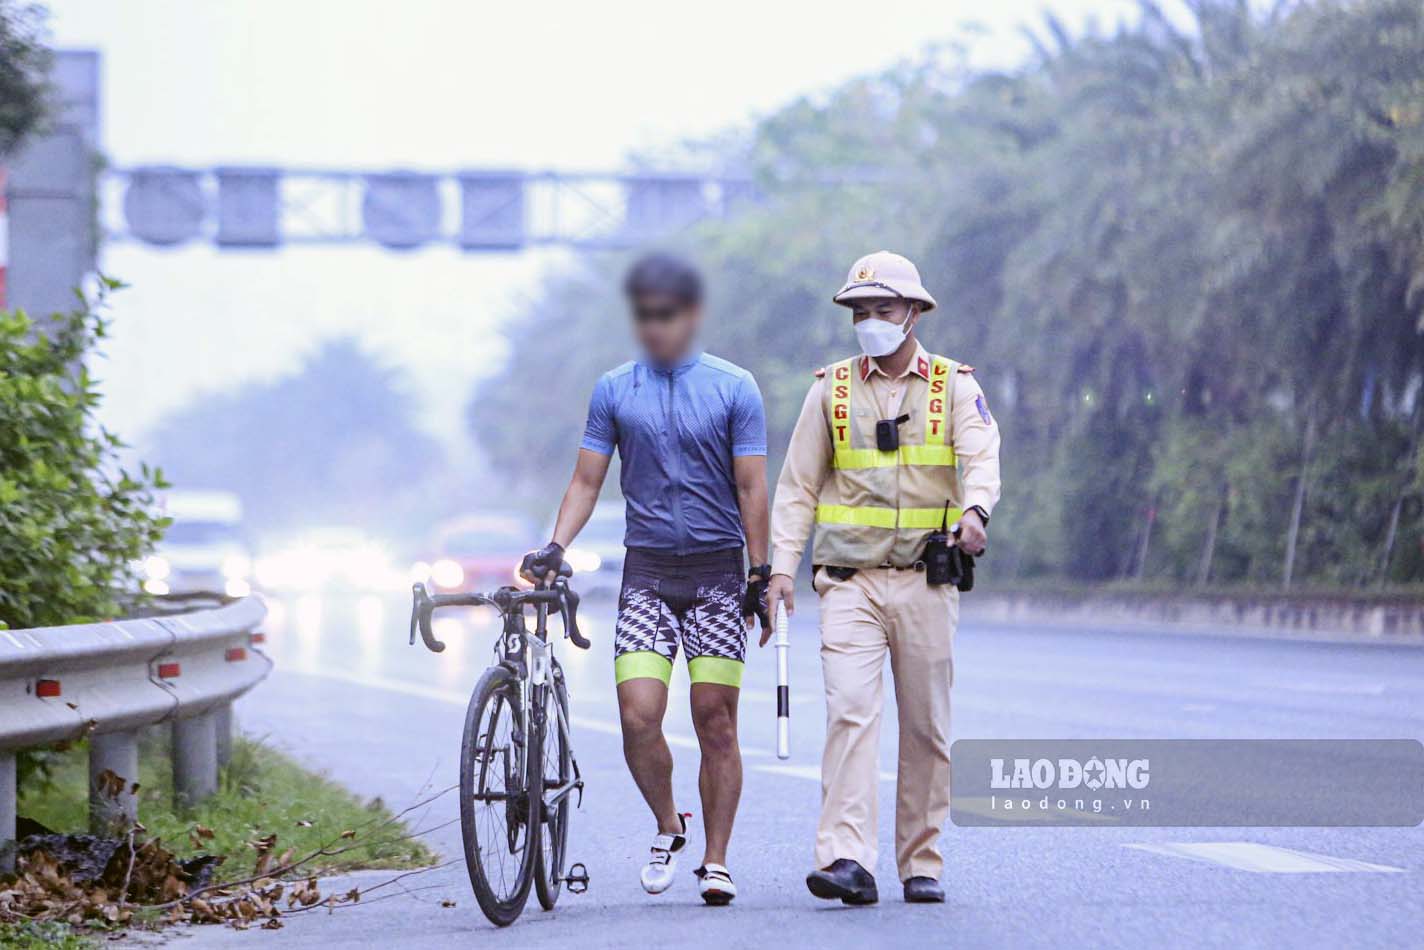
(891,446)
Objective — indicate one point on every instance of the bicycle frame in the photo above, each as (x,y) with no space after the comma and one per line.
(527,653)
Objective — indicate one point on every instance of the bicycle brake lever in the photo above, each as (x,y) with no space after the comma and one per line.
(568,608)
(420,616)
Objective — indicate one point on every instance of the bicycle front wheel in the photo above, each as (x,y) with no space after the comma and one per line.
(499,818)
(558,771)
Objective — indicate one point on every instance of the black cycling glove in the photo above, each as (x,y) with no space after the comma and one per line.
(754,600)
(539,564)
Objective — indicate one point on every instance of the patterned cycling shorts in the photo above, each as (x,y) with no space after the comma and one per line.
(693,598)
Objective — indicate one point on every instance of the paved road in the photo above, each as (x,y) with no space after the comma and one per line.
(385,719)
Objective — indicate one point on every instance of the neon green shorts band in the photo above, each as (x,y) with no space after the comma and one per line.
(642,664)
(716,669)
(645,664)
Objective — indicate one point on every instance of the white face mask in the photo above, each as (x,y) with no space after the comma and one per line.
(881,337)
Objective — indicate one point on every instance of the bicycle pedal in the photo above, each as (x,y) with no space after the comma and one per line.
(576,878)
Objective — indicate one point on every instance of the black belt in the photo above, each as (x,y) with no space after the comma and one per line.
(846,573)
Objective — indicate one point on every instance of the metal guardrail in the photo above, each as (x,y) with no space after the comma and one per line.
(106,681)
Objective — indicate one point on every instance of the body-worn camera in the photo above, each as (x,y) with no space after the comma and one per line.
(887,433)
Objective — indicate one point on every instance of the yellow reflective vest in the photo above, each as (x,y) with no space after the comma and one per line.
(887,503)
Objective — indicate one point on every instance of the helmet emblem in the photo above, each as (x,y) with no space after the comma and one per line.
(866,272)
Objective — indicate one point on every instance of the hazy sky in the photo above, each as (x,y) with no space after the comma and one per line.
(441,84)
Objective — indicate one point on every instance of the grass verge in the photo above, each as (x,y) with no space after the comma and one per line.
(262,792)
(47,936)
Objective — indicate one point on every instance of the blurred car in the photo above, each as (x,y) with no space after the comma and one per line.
(203,550)
(597,553)
(480,551)
(332,558)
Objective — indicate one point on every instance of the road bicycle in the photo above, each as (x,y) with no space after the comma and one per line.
(517,765)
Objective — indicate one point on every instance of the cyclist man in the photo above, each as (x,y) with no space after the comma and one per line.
(691,433)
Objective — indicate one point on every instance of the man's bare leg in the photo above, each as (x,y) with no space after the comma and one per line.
(641,704)
(714,715)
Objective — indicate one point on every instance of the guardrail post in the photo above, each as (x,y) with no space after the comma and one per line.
(195,760)
(113,806)
(223,726)
(8,791)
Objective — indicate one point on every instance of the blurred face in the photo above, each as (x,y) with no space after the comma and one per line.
(665,327)
(890,309)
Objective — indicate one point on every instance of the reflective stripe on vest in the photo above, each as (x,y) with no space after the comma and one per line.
(936,431)
(908,455)
(935,451)
(840,406)
(913,518)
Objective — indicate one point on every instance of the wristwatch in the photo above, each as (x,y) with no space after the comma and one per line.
(983,515)
(760,571)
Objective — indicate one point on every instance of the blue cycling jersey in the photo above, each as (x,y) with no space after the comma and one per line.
(677,430)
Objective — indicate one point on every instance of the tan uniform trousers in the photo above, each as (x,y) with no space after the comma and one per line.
(863,618)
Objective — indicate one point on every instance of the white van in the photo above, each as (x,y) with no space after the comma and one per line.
(203,550)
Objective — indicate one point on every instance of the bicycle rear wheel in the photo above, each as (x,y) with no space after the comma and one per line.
(558,771)
(499,819)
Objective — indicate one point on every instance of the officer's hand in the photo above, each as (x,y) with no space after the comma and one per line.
(781,590)
(970,534)
(543,564)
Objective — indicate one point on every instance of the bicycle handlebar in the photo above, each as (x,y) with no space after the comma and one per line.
(504,600)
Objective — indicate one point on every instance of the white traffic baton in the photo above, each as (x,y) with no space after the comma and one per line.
(783,685)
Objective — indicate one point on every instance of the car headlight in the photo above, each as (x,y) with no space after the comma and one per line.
(582,560)
(446,573)
(236,567)
(237,587)
(156,568)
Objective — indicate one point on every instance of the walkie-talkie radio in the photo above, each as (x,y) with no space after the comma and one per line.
(939,554)
(945,562)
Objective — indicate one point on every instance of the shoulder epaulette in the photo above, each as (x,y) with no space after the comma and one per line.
(821,373)
(965,368)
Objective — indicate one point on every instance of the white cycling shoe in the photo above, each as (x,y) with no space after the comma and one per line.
(658,873)
(716,884)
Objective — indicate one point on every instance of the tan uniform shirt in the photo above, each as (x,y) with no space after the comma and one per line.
(807,470)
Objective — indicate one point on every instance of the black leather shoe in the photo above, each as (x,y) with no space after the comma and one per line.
(923,890)
(844,880)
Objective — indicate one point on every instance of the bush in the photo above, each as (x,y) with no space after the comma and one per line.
(24,61)
(72,522)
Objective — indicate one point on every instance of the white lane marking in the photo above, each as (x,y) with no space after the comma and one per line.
(453,698)
(1262,858)
(1330,689)
(812,772)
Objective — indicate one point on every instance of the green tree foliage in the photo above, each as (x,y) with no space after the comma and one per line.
(24,63)
(1187,260)
(334,442)
(71,521)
